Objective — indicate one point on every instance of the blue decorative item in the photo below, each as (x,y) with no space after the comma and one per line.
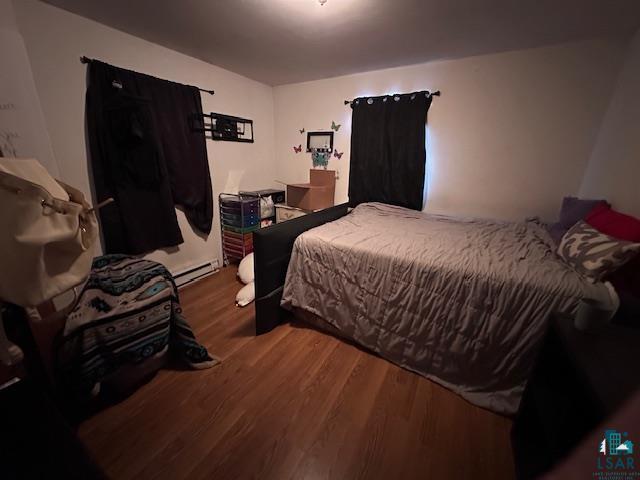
(320,159)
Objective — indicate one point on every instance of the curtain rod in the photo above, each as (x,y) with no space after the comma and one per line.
(427,93)
(84,59)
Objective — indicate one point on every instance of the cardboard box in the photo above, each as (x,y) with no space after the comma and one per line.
(317,194)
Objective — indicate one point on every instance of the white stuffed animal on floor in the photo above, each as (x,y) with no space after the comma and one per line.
(247,294)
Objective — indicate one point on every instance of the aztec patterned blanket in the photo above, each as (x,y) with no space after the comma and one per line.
(128,312)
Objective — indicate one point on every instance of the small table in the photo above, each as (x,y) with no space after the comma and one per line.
(580,378)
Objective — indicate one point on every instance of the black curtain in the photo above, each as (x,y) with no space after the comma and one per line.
(145,155)
(388,149)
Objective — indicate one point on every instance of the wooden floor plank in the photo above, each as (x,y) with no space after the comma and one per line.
(295,403)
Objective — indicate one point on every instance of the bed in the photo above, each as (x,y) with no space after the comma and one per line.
(463,302)
(272,248)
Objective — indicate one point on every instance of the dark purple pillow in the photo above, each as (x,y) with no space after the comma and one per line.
(575,209)
(556,231)
(572,211)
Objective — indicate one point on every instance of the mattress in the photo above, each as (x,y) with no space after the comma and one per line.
(464,302)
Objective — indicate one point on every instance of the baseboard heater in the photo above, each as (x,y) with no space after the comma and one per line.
(194,273)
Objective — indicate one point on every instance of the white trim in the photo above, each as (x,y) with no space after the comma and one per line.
(194,273)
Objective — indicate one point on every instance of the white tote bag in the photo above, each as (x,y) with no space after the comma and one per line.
(47,234)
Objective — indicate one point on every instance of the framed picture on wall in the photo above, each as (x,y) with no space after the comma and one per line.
(319,141)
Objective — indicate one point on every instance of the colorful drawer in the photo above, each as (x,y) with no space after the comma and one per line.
(239,217)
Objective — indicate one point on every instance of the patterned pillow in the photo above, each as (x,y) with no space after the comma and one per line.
(593,253)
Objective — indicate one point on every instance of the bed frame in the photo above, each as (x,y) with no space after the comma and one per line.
(272,247)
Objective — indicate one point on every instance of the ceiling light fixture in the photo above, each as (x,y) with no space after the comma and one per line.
(322,2)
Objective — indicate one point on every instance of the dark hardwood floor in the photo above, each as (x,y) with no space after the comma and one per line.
(292,404)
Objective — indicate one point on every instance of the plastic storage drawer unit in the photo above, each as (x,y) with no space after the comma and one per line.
(239,217)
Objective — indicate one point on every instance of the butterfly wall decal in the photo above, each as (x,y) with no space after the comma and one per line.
(334,126)
(301,131)
(337,154)
(297,149)
(320,159)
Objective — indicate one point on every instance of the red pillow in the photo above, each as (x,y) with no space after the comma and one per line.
(616,224)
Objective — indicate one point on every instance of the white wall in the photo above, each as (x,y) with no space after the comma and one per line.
(511,134)
(7,17)
(614,168)
(23,132)
(56,39)
(509,137)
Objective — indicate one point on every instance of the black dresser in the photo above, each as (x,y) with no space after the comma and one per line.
(580,378)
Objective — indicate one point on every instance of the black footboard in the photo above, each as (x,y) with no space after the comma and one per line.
(272,248)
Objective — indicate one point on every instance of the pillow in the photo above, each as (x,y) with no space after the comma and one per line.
(556,231)
(615,224)
(573,210)
(245,269)
(246,295)
(593,253)
(626,280)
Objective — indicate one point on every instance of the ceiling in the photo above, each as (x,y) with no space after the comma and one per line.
(288,41)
